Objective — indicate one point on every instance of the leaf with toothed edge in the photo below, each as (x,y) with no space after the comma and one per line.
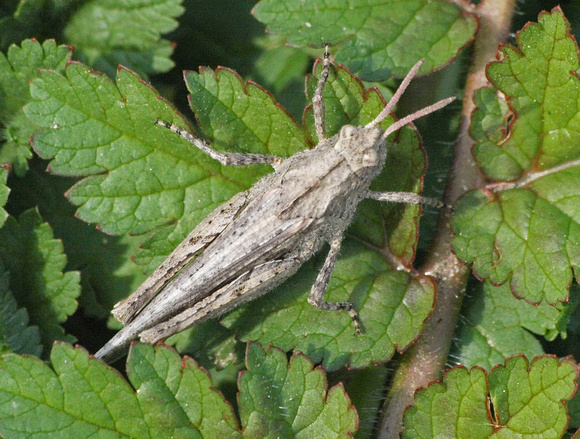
(242,115)
(376,38)
(527,401)
(36,262)
(109,32)
(139,175)
(392,307)
(522,228)
(497,326)
(18,67)
(291,398)
(168,396)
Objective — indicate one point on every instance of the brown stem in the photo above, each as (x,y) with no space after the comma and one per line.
(425,361)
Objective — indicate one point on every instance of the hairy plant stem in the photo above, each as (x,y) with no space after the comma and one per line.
(425,361)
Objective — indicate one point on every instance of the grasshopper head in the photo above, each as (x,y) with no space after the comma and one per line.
(363,148)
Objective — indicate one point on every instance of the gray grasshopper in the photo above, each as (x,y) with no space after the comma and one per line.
(259,238)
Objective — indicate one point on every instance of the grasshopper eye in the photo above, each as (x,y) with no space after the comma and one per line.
(347,131)
(370,158)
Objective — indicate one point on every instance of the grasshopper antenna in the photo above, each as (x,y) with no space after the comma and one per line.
(411,117)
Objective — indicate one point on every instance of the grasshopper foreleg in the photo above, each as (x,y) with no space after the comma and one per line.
(225,158)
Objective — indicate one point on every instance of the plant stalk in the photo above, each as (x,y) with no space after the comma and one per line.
(425,361)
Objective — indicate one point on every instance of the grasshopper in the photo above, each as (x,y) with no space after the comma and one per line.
(259,238)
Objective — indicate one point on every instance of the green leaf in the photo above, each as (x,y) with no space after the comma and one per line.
(280,65)
(456,407)
(379,38)
(142,175)
(128,32)
(526,231)
(497,326)
(108,274)
(4,191)
(21,20)
(17,69)
(171,397)
(36,262)
(290,398)
(83,397)
(242,116)
(527,401)
(392,307)
(15,333)
(176,394)
(543,95)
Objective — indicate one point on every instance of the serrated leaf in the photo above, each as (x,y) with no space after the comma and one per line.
(497,326)
(18,67)
(380,37)
(526,231)
(82,397)
(108,274)
(146,176)
(543,93)
(392,307)
(456,407)
(171,397)
(178,395)
(521,236)
(4,191)
(36,262)
(242,115)
(527,401)
(290,398)
(16,335)
(111,32)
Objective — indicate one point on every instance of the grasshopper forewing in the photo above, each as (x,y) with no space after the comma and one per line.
(259,238)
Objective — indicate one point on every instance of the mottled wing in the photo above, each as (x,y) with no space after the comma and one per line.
(203,235)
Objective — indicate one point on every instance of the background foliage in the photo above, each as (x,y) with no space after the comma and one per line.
(93,196)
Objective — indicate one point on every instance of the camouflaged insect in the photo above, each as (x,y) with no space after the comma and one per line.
(259,238)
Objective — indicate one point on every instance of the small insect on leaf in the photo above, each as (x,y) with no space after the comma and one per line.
(259,238)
